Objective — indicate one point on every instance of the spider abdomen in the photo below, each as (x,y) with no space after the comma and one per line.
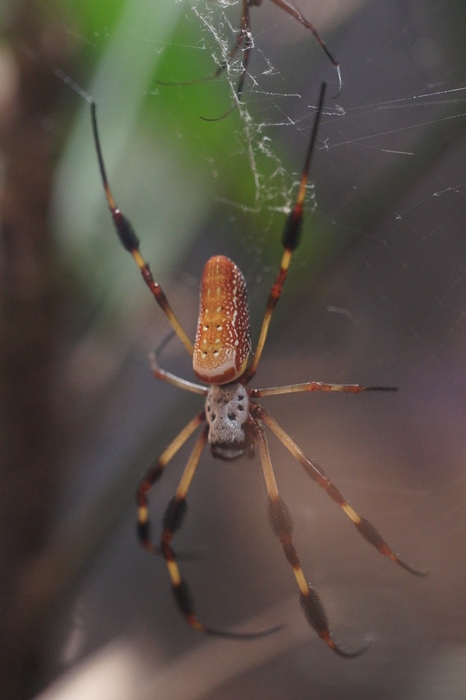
(227,411)
(223,341)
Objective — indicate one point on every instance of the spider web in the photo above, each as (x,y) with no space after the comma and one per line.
(377,295)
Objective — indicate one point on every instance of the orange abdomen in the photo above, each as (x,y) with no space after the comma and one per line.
(223,341)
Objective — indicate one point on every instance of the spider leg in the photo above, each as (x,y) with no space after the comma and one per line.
(153,474)
(242,42)
(172,522)
(363,526)
(280,521)
(290,241)
(130,242)
(316,386)
(294,12)
(172,379)
(243,37)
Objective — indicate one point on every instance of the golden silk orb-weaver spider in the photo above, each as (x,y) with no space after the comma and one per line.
(244,42)
(232,422)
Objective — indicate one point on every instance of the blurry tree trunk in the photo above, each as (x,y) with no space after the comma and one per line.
(29,434)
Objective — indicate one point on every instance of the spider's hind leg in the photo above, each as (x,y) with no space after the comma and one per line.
(363,526)
(172,521)
(280,521)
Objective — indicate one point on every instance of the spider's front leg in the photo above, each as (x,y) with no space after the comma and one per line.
(290,241)
(130,241)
